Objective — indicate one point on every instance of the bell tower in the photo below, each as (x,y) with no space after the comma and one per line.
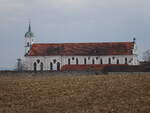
(28,39)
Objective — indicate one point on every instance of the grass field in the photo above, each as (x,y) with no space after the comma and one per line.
(75,94)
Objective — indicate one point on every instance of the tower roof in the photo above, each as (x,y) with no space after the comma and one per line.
(29,33)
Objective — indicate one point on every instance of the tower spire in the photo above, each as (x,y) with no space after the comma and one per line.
(28,39)
(29,26)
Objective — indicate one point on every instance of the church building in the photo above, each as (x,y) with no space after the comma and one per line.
(53,56)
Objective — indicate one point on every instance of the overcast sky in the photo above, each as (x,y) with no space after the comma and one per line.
(58,21)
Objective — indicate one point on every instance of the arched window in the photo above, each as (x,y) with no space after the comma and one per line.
(69,61)
(72,58)
(38,61)
(117,61)
(96,58)
(109,61)
(77,61)
(84,60)
(126,61)
(34,66)
(54,61)
(51,66)
(58,66)
(101,61)
(41,66)
(28,44)
(93,61)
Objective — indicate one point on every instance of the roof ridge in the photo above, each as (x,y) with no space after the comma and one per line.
(82,43)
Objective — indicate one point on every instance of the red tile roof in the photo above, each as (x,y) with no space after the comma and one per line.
(81,49)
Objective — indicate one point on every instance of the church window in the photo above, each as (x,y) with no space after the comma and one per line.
(41,66)
(126,61)
(93,61)
(84,60)
(34,65)
(77,61)
(101,61)
(113,57)
(51,66)
(38,61)
(69,61)
(96,58)
(28,44)
(109,61)
(54,60)
(58,66)
(117,61)
(130,60)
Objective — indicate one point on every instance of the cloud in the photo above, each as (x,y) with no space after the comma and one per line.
(9,6)
(60,3)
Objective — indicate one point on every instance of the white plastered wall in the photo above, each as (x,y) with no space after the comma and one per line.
(63,60)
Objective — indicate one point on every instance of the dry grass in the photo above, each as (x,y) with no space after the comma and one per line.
(75,94)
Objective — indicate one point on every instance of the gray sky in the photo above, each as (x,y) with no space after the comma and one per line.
(71,21)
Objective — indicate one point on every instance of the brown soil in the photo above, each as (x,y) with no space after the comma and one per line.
(75,94)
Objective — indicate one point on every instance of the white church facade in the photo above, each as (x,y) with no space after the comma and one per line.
(53,56)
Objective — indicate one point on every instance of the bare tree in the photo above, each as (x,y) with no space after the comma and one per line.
(146,56)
